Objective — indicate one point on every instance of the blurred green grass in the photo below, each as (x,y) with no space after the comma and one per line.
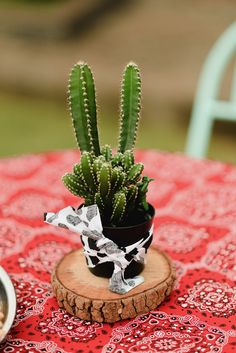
(26,4)
(30,124)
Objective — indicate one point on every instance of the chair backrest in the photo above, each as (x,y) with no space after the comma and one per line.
(207,105)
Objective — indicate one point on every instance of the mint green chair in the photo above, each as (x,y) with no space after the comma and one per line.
(207,106)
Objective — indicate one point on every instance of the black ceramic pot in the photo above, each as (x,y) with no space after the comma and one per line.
(124,236)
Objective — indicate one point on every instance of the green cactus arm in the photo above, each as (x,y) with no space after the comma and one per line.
(70,182)
(142,192)
(114,176)
(120,181)
(104,186)
(117,159)
(142,201)
(106,151)
(128,160)
(92,108)
(131,196)
(132,193)
(144,184)
(134,173)
(75,186)
(97,165)
(119,206)
(77,170)
(77,108)
(87,175)
(130,107)
(99,201)
(82,104)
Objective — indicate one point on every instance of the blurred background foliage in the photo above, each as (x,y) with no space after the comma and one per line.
(40,40)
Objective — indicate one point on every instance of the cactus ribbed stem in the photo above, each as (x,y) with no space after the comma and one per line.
(104,187)
(130,107)
(87,170)
(83,108)
(142,192)
(99,202)
(121,179)
(132,193)
(92,109)
(70,181)
(107,152)
(128,159)
(97,165)
(114,176)
(117,159)
(119,206)
(74,185)
(135,172)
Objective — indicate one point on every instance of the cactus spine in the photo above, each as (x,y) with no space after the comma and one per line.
(113,181)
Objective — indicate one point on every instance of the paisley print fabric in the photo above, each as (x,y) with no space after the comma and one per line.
(195,224)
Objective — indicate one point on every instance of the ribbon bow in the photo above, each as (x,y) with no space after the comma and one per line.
(87,222)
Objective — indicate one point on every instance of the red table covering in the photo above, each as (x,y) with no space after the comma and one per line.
(195,224)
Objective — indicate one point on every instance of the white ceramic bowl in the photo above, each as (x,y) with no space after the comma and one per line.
(7,302)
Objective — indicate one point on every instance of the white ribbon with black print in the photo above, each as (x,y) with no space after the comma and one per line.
(87,222)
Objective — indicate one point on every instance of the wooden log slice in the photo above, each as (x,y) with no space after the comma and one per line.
(86,296)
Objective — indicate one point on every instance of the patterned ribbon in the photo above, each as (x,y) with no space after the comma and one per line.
(87,222)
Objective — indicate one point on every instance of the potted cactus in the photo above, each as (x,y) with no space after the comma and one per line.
(112,181)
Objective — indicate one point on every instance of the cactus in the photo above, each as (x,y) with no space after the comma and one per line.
(128,160)
(142,191)
(107,152)
(87,175)
(130,107)
(117,159)
(119,206)
(134,173)
(117,190)
(83,109)
(104,186)
(113,181)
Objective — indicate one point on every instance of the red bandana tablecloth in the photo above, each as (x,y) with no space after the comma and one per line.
(195,224)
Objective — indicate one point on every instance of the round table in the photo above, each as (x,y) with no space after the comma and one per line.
(195,225)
